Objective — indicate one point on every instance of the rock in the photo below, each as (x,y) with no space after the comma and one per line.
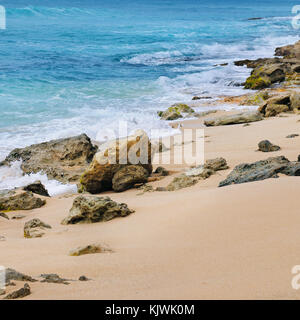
(4,215)
(275,105)
(267,146)
(180,182)
(54,278)
(199,172)
(289,51)
(11,274)
(2,238)
(261,170)
(161,171)
(161,189)
(83,278)
(19,200)
(90,249)
(63,159)
(38,188)
(294,135)
(255,99)
(18,217)
(35,228)
(2,292)
(128,176)
(200,98)
(295,101)
(114,156)
(90,209)
(21,293)
(216,164)
(245,117)
(145,188)
(175,112)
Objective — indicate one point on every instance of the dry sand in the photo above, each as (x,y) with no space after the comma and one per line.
(202,242)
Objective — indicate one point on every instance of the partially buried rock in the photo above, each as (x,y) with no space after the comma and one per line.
(161,171)
(54,278)
(293,135)
(38,188)
(261,170)
(267,146)
(21,293)
(90,209)
(12,274)
(216,164)
(35,228)
(245,117)
(4,215)
(19,200)
(63,159)
(18,217)
(181,182)
(90,249)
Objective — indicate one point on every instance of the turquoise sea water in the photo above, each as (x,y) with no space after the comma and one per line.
(68,67)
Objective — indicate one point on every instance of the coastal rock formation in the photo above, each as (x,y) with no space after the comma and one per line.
(245,117)
(21,293)
(35,228)
(19,200)
(261,170)
(161,172)
(267,146)
(114,156)
(175,112)
(216,164)
(90,209)
(63,159)
(38,188)
(90,249)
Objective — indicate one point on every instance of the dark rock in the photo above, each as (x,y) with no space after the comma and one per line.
(161,171)
(90,249)
(90,209)
(38,188)
(261,170)
(4,215)
(267,146)
(35,228)
(294,135)
(54,278)
(11,274)
(21,293)
(83,278)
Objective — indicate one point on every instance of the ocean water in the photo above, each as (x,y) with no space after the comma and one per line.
(76,66)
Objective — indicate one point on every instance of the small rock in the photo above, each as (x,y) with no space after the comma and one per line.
(21,293)
(4,215)
(294,135)
(267,146)
(38,188)
(35,228)
(90,249)
(18,217)
(216,164)
(54,278)
(181,182)
(12,274)
(83,278)
(161,171)
(175,112)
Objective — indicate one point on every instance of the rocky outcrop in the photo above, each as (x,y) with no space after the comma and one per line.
(90,249)
(11,200)
(35,228)
(114,156)
(177,111)
(295,102)
(63,160)
(276,105)
(11,274)
(90,209)
(267,146)
(21,293)
(261,170)
(38,188)
(245,117)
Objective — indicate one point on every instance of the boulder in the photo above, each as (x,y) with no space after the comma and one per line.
(175,112)
(261,170)
(267,146)
(11,200)
(245,117)
(128,176)
(114,156)
(35,228)
(21,293)
(90,209)
(4,215)
(183,181)
(38,188)
(63,159)
(90,249)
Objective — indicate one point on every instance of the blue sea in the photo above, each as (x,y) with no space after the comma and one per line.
(73,66)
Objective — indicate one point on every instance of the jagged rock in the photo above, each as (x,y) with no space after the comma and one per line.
(21,293)
(35,228)
(261,170)
(83,278)
(180,182)
(289,51)
(11,274)
(54,278)
(4,215)
(267,146)
(175,112)
(293,135)
(90,249)
(234,119)
(19,200)
(38,188)
(216,164)
(63,159)
(255,99)
(161,171)
(114,156)
(90,209)
(128,176)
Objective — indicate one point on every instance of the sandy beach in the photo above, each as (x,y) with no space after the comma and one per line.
(201,242)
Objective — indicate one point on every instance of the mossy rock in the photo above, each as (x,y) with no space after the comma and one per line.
(256,83)
(175,112)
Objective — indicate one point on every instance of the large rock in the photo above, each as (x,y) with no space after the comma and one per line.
(175,112)
(245,117)
(261,170)
(35,228)
(63,160)
(19,200)
(11,274)
(90,209)
(267,146)
(114,156)
(38,188)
